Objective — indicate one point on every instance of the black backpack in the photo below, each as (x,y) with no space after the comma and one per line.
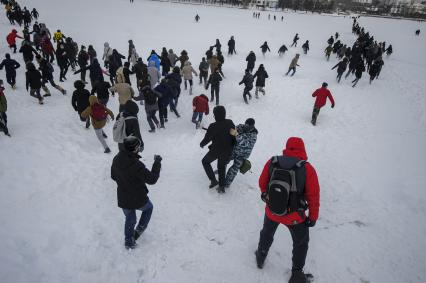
(286,185)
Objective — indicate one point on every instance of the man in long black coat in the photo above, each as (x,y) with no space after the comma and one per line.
(222,143)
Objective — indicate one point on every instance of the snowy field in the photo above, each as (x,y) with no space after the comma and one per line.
(58,208)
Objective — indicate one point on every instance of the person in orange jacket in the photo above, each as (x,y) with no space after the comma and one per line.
(321,95)
(306,197)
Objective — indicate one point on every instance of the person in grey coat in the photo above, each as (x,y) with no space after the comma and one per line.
(153,73)
(172,57)
(246,137)
(151,106)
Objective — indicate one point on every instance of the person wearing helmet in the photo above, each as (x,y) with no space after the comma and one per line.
(132,177)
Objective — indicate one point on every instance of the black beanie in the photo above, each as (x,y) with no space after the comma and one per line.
(250,122)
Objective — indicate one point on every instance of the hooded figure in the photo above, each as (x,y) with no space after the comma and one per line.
(222,142)
(187,72)
(245,136)
(172,57)
(154,57)
(306,198)
(98,123)
(10,66)
(80,100)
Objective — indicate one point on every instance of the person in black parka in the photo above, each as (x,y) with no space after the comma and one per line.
(251,60)
(131,177)
(80,100)
(27,51)
(261,75)
(222,142)
(10,67)
(265,48)
(248,85)
(231,46)
(101,88)
(33,82)
(96,74)
(341,68)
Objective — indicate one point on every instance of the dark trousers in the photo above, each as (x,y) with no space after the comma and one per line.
(339,77)
(151,118)
(3,123)
(129,225)
(289,69)
(203,75)
(83,73)
(299,234)
(222,160)
(190,83)
(247,92)
(315,114)
(214,91)
(197,117)
(14,47)
(11,79)
(163,115)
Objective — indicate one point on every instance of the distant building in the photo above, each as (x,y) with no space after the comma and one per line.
(265,3)
(366,2)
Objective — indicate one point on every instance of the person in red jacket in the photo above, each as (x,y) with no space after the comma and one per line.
(200,105)
(321,95)
(297,221)
(11,39)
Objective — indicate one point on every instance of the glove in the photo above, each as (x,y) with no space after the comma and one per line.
(309,222)
(157,158)
(264,197)
(332,106)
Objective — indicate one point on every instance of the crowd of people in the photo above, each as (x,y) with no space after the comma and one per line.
(288,183)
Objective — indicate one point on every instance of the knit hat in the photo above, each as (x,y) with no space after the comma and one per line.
(250,122)
(324,84)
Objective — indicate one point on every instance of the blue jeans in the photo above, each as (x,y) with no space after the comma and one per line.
(196,115)
(129,225)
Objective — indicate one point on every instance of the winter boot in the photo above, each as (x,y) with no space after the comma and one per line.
(107,150)
(104,135)
(297,276)
(260,258)
(213,184)
(138,232)
(152,130)
(130,245)
(87,123)
(46,90)
(63,91)
(221,189)
(190,90)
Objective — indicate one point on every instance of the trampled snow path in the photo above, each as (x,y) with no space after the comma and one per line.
(60,222)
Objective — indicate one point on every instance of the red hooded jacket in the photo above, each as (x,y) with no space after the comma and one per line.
(295,148)
(11,37)
(201,104)
(321,94)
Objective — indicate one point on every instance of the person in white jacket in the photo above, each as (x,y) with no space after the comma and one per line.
(154,74)
(134,56)
(107,54)
(187,72)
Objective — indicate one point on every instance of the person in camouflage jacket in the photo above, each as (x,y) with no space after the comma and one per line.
(246,136)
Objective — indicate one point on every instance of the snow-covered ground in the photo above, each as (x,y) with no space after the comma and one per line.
(58,213)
